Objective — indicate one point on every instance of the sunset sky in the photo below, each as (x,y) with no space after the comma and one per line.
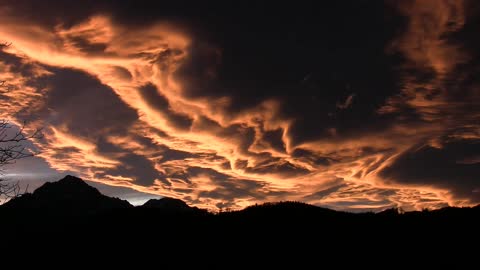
(352,105)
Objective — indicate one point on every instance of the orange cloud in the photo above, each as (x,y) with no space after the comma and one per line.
(191,148)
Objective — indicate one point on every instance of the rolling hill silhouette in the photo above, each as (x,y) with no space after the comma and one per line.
(71,214)
(74,196)
(72,205)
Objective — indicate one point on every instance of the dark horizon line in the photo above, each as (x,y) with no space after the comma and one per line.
(398,210)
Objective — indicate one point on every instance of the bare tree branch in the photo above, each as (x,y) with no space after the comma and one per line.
(12,148)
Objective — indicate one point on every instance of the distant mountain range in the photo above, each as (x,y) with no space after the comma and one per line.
(71,204)
(72,195)
(71,215)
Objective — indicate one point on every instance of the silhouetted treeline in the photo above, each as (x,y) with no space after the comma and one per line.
(70,211)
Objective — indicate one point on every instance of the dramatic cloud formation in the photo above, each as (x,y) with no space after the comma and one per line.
(152,103)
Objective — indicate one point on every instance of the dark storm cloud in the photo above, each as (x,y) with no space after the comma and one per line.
(454,167)
(227,187)
(274,139)
(310,157)
(135,167)
(70,90)
(267,62)
(159,103)
(277,166)
(49,12)
(440,91)
(323,193)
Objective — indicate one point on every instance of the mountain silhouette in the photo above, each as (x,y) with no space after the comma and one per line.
(167,203)
(70,204)
(70,213)
(70,194)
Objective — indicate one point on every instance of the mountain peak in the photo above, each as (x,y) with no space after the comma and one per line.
(71,179)
(167,203)
(69,192)
(67,186)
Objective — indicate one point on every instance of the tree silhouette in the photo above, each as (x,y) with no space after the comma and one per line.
(12,148)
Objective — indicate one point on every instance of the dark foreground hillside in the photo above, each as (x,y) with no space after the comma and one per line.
(71,213)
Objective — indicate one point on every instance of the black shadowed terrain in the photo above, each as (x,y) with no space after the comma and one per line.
(72,212)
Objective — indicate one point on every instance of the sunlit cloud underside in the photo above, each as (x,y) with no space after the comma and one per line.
(116,106)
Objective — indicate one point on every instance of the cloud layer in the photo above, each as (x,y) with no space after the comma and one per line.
(159,106)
